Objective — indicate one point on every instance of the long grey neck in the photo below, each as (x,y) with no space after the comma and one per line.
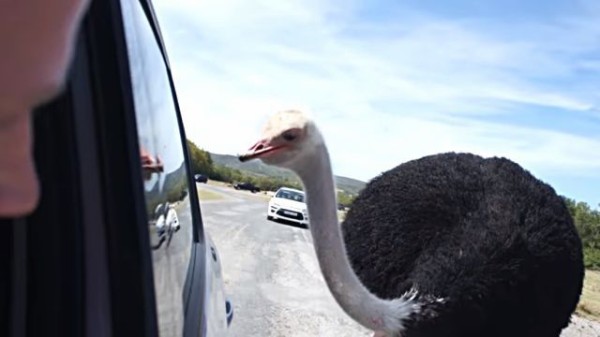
(343,283)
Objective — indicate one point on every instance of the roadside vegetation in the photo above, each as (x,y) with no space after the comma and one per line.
(587,221)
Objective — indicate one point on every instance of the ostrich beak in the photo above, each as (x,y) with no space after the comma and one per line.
(259,149)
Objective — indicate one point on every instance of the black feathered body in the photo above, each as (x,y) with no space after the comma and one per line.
(491,250)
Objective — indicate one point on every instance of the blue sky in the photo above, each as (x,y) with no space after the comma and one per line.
(391,81)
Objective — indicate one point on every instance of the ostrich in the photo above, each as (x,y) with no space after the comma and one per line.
(446,245)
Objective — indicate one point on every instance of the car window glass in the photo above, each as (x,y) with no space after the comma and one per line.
(165,174)
(291,195)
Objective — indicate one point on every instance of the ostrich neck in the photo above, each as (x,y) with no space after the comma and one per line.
(343,283)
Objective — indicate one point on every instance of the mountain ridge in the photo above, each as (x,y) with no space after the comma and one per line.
(256,167)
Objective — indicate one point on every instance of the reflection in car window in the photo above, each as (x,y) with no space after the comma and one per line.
(164,171)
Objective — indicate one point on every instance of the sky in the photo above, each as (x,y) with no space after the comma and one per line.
(392,81)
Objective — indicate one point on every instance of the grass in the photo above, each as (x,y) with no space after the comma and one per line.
(206,195)
(589,304)
(218,183)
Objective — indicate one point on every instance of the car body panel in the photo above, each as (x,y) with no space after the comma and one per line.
(216,298)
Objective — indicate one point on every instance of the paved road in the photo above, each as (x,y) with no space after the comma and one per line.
(271,272)
(273,278)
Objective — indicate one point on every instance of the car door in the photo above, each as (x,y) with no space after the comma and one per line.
(170,194)
(109,150)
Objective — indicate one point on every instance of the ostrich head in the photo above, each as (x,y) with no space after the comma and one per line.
(288,139)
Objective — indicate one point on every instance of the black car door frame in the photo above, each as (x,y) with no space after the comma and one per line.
(81,263)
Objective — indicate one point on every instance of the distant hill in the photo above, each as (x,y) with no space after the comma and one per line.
(256,167)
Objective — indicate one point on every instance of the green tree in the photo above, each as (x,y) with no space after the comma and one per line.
(587,222)
(345,199)
(226,174)
(200,159)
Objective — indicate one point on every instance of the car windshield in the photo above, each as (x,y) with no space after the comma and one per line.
(291,195)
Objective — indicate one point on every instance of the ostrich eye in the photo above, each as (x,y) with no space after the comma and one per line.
(289,136)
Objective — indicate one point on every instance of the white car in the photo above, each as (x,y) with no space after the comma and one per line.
(288,204)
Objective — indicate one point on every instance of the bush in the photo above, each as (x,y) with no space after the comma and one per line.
(201,160)
(587,222)
(591,258)
(345,199)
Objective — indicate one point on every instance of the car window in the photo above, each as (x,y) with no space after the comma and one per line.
(291,195)
(165,174)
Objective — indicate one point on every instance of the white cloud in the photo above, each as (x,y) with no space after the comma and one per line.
(386,92)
